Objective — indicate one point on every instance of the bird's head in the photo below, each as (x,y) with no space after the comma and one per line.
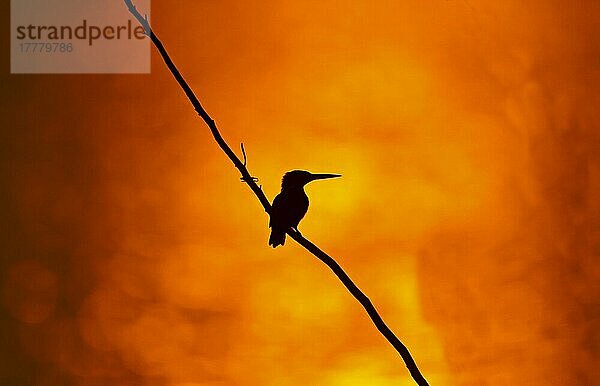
(299,178)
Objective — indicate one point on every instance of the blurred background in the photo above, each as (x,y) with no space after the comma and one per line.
(467,135)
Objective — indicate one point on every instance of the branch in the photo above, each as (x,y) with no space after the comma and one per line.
(251,182)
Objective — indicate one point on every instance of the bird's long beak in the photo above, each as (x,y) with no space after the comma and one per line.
(323,176)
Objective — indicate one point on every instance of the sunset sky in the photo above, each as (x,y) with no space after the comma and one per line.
(468,139)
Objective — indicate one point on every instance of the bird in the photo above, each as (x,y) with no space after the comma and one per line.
(291,204)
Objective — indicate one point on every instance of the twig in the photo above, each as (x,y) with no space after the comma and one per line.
(244,154)
(251,182)
(242,179)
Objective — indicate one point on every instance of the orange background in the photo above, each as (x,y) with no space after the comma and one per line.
(467,133)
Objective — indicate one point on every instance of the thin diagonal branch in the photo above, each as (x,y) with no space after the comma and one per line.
(248,179)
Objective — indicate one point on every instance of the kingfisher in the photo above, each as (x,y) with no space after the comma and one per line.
(291,204)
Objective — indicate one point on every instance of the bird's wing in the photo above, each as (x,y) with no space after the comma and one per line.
(277,210)
(288,209)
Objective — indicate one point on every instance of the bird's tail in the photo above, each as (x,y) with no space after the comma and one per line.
(277,237)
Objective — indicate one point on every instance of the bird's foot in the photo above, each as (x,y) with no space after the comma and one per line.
(297,231)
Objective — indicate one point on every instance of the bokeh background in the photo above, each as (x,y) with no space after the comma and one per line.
(467,133)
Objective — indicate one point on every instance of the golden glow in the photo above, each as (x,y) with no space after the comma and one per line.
(466,133)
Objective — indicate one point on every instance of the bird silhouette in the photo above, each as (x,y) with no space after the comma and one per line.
(291,204)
